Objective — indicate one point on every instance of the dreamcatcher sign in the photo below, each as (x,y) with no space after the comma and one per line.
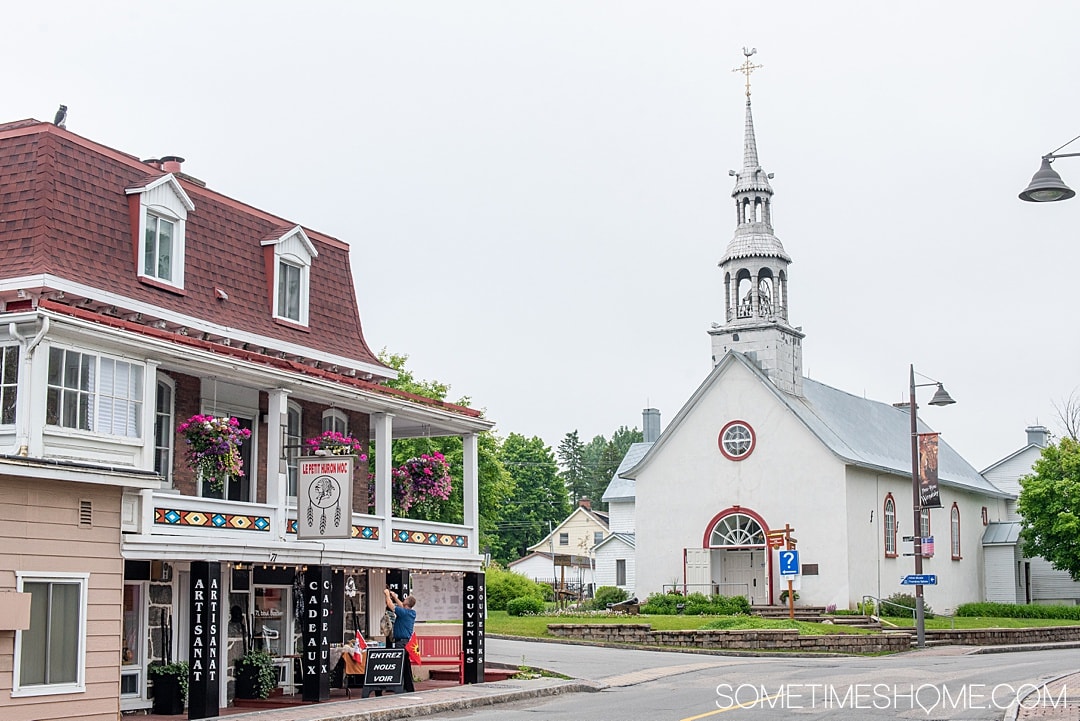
(324,505)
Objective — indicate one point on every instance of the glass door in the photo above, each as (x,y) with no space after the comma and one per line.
(273,630)
(133,646)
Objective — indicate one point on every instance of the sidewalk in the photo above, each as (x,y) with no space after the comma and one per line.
(1058,700)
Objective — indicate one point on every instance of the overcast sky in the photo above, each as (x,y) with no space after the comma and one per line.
(537,193)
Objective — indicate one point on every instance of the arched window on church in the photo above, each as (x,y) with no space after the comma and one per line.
(954,528)
(737,530)
(744,294)
(766,292)
(890,526)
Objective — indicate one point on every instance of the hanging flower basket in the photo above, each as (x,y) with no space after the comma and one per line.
(336,444)
(421,484)
(213,448)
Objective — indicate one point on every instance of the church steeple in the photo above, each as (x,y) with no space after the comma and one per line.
(755,267)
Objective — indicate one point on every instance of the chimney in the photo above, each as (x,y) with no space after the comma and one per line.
(650,425)
(171,163)
(585,503)
(153,163)
(1038,436)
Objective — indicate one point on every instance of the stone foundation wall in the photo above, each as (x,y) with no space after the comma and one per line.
(766,639)
(1004,636)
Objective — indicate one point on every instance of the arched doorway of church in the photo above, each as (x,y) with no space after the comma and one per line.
(735,558)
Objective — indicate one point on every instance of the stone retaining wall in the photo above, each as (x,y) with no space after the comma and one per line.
(765,639)
(1003,636)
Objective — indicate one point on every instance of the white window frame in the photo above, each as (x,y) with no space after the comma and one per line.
(889,513)
(83,581)
(295,250)
(334,419)
(163,198)
(292,455)
(564,539)
(95,394)
(620,572)
(954,529)
(12,388)
(598,538)
(170,434)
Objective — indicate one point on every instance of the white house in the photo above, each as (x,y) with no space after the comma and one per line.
(1010,576)
(570,543)
(758,448)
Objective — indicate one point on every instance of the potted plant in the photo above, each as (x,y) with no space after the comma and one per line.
(170,687)
(421,485)
(336,444)
(256,675)
(213,448)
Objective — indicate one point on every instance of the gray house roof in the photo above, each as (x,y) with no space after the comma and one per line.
(622,489)
(627,538)
(1001,533)
(862,432)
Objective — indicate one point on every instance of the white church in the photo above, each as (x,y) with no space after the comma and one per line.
(758,447)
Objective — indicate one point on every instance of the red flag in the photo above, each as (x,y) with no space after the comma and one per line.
(413,647)
(358,646)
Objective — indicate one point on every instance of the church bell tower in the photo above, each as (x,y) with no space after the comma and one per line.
(755,268)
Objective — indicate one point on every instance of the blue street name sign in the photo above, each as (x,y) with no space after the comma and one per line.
(789,563)
(919,579)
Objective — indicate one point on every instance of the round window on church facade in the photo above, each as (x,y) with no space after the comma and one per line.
(737,440)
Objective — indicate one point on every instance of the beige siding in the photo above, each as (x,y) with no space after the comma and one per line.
(39,532)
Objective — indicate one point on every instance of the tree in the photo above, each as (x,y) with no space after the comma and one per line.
(572,460)
(1068,413)
(1049,506)
(538,501)
(495,485)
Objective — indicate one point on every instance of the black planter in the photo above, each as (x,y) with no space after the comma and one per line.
(247,682)
(167,698)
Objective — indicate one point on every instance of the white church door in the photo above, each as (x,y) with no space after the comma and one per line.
(737,539)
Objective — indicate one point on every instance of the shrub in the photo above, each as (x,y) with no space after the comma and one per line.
(524,605)
(1017,610)
(608,594)
(894,605)
(695,604)
(503,585)
(795,595)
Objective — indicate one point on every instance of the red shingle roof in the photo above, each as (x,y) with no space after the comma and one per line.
(63,211)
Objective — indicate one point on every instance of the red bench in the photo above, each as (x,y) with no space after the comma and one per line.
(443,651)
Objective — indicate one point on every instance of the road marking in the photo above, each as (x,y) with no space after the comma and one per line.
(748,704)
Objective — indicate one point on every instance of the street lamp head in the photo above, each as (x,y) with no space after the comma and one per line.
(941,397)
(1046,186)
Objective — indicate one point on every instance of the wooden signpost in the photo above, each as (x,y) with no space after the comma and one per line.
(782,538)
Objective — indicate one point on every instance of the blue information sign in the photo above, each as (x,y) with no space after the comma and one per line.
(919,579)
(789,563)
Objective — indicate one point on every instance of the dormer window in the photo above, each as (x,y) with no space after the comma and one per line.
(291,289)
(160,208)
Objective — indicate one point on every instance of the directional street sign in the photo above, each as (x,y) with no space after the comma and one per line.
(919,579)
(789,563)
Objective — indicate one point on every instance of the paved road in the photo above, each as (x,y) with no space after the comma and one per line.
(947,683)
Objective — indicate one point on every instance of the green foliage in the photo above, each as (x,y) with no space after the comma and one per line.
(503,585)
(572,460)
(1016,610)
(894,605)
(784,595)
(257,667)
(179,670)
(538,499)
(602,458)
(608,594)
(524,604)
(695,604)
(1049,506)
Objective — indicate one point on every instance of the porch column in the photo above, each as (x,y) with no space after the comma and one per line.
(384,434)
(148,419)
(472,625)
(470,490)
(204,637)
(277,478)
(318,610)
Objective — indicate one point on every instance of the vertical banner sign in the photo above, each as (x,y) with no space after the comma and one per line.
(204,676)
(397,580)
(318,610)
(324,497)
(929,494)
(472,626)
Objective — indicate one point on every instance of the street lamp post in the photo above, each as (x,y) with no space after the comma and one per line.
(1046,185)
(941,398)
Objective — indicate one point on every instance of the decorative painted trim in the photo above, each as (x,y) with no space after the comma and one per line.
(364,533)
(427,538)
(199,519)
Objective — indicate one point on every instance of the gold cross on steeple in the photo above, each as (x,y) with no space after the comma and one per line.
(747,67)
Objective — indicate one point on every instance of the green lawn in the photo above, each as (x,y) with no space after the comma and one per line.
(499,622)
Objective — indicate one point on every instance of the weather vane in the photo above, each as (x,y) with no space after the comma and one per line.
(747,67)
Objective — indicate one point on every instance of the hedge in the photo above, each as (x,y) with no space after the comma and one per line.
(695,604)
(1016,610)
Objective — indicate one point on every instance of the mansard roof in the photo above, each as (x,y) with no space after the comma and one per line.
(66,233)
